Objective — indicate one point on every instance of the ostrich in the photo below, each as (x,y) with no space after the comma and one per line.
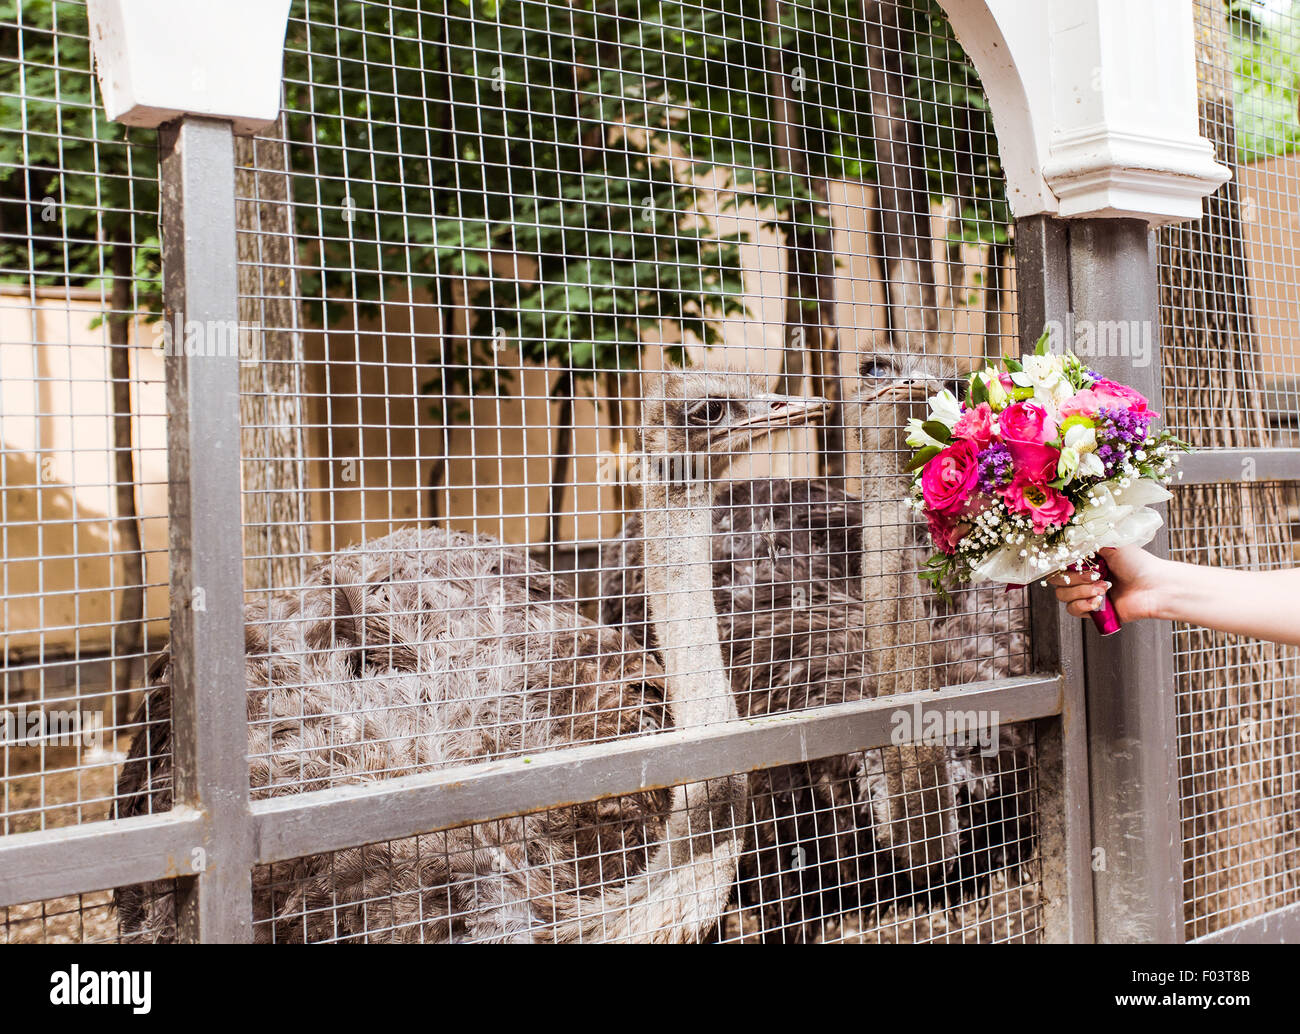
(808,616)
(430,648)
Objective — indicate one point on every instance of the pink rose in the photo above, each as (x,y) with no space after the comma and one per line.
(1119,396)
(949,477)
(1082,403)
(975,424)
(1035,463)
(1044,506)
(1026,427)
(1027,422)
(943,532)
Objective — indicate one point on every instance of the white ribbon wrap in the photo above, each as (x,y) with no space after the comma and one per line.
(1122,517)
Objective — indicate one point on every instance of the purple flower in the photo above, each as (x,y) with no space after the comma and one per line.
(995,465)
(1120,432)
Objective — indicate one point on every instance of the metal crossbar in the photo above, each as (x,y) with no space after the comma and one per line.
(137,850)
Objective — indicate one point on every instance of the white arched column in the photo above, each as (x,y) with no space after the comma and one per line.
(1095,105)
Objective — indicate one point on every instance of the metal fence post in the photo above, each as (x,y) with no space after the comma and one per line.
(205,528)
(1132,725)
(1065,835)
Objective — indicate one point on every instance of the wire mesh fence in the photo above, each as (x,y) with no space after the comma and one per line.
(83,453)
(564,331)
(471,253)
(809,870)
(1230,302)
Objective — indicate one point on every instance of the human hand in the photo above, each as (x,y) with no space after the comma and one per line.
(1133,586)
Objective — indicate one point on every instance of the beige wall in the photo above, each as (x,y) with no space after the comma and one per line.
(58,572)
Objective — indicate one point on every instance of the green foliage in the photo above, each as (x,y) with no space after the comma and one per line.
(1266,71)
(539,162)
(704,72)
(924,456)
(71,182)
(483,154)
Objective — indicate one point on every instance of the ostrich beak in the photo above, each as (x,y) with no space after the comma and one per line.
(912,388)
(772,413)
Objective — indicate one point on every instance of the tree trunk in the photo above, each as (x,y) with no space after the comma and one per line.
(562,393)
(448,310)
(994,277)
(276,505)
(810,312)
(128,631)
(1237,709)
(903,239)
(612,381)
(916,814)
(903,193)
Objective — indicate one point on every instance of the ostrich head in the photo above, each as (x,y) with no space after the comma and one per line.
(695,422)
(894,388)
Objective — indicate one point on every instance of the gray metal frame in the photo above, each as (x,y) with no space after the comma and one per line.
(205,531)
(106,854)
(1114,754)
(1132,732)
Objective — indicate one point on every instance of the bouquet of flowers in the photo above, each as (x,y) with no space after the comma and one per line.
(1043,463)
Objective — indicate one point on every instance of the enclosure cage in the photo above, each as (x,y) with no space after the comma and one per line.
(361,562)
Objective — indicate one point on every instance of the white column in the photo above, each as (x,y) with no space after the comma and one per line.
(157,60)
(1095,105)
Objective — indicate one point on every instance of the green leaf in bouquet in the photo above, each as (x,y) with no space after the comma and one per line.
(936,570)
(923,457)
(937,430)
(1012,365)
(1041,347)
(979,391)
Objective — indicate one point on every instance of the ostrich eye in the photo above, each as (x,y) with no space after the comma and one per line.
(709,412)
(876,368)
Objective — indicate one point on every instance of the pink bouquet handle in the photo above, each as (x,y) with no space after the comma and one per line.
(1106,620)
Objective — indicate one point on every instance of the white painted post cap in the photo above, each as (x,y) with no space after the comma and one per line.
(159,59)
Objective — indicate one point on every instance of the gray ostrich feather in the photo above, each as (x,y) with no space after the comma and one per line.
(419,651)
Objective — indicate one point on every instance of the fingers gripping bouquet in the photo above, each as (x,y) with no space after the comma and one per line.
(1044,463)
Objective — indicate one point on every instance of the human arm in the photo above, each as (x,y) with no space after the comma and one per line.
(1259,604)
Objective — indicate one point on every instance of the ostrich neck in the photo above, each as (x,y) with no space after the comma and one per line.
(678,524)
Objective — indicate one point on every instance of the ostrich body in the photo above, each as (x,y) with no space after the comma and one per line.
(427,649)
(801,607)
(417,651)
